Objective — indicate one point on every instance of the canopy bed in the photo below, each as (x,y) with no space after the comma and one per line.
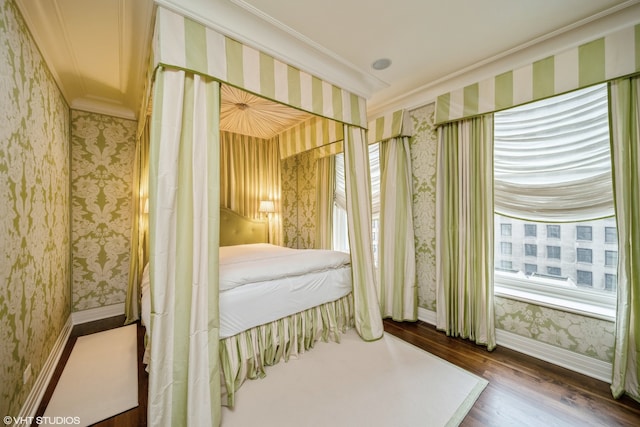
(187,337)
(304,295)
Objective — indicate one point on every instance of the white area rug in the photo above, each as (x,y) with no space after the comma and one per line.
(356,383)
(99,380)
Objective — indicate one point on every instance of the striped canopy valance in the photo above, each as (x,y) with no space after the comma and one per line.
(313,133)
(609,57)
(183,43)
(389,126)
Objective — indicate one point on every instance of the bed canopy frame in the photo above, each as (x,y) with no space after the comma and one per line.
(181,131)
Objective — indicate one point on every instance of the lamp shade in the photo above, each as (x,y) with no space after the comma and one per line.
(267,206)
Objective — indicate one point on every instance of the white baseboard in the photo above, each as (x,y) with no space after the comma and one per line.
(549,353)
(30,406)
(98,313)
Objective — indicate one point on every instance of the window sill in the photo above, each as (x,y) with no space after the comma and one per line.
(581,308)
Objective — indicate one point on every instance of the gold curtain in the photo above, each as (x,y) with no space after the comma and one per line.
(325,189)
(139,253)
(249,173)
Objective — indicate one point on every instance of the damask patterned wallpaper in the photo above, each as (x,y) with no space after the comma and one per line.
(34,210)
(580,334)
(103,150)
(299,200)
(422,146)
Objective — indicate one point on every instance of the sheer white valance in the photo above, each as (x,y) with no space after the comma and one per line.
(552,159)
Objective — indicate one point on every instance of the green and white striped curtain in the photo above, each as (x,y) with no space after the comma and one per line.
(606,58)
(464,230)
(184,182)
(358,194)
(624,104)
(396,256)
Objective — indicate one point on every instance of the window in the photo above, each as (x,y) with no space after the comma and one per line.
(506,265)
(530,249)
(530,230)
(554,271)
(584,233)
(584,255)
(551,162)
(340,226)
(505,230)
(553,231)
(530,269)
(585,278)
(506,248)
(553,252)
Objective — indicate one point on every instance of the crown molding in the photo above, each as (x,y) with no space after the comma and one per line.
(586,30)
(104,108)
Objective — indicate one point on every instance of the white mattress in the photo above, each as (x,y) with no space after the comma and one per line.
(252,304)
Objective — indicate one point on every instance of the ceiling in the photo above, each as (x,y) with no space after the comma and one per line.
(98,49)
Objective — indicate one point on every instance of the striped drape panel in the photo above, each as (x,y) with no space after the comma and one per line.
(397,258)
(313,133)
(464,227)
(183,43)
(624,104)
(358,198)
(612,56)
(184,181)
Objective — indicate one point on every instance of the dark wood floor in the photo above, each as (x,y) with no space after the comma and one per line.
(522,390)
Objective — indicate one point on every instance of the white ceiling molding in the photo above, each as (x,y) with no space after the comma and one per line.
(615,18)
(98,68)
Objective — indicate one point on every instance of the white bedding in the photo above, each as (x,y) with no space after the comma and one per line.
(260,262)
(260,283)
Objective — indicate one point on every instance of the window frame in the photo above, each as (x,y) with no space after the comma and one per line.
(544,290)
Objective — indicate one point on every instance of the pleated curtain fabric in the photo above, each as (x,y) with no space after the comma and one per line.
(464,230)
(624,104)
(368,319)
(249,173)
(325,190)
(397,260)
(184,180)
(139,226)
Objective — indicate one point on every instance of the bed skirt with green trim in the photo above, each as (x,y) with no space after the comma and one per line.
(246,354)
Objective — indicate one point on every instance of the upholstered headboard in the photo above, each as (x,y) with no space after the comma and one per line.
(236,229)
